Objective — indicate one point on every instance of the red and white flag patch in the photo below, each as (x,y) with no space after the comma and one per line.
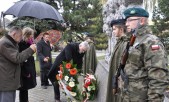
(155,47)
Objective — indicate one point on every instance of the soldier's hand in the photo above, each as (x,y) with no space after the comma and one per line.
(33,47)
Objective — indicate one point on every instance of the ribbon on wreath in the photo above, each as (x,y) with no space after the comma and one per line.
(66,90)
(63,86)
(87,97)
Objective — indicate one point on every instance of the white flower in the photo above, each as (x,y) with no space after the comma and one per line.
(66,78)
(92,77)
(71,84)
(89,88)
(73,93)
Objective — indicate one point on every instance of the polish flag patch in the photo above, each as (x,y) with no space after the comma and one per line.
(155,47)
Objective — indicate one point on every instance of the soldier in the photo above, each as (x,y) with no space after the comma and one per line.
(118,27)
(146,66)
(90,59)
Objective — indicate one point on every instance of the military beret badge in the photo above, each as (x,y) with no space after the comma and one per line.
(132,12)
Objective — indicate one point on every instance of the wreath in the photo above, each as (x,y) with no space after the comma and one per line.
(68,81)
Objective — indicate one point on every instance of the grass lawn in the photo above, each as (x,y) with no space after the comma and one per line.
(37,67)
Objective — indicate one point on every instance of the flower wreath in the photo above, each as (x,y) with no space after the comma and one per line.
(68,80)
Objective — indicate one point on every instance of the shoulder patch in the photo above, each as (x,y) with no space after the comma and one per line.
(155,47)
(132,12)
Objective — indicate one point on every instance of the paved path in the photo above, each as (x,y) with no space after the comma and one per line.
(38,94)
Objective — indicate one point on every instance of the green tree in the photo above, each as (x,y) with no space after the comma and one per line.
(161,22)
(83,16)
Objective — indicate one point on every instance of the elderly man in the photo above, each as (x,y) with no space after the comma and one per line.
(73,51)
(10,60)
(146,66)
(118,28)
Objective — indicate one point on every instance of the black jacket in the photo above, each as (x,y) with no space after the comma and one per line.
(44,50)
(28,71)
(70,52)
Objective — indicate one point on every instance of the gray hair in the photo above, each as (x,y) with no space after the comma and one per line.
(14,29)
(85,44)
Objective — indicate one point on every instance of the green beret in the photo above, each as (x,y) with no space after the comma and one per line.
(131,12)
(117,22)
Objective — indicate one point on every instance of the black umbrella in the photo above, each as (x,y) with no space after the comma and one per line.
(34,9)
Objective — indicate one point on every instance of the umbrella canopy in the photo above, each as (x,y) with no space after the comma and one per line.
(34,9)
(54,36)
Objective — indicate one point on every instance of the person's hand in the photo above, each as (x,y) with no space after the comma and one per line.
(28,76)
(51,45)
(33,47)
(46,59)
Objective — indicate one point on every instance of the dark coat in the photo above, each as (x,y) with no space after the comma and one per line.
(10,59)
(70,52)
(44,50)
(28,71)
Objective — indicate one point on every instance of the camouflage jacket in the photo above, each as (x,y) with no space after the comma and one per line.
(146,69)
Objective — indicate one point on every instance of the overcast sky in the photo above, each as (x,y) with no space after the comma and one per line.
(5,4)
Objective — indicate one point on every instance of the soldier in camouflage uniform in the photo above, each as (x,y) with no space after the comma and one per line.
(118,27)
(146,66)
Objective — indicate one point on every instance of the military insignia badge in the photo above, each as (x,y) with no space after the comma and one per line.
(155,47)
(132,12)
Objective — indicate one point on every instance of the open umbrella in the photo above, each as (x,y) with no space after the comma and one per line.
(36,9)
(54,36)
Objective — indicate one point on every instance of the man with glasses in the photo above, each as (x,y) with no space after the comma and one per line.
(10,59)
(146,66)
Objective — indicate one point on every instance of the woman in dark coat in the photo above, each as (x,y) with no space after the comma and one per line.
(28,72)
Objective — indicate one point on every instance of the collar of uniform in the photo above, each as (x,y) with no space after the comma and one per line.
(143,30)
(123,38)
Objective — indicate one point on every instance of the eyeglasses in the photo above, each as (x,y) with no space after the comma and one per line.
(129,20)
